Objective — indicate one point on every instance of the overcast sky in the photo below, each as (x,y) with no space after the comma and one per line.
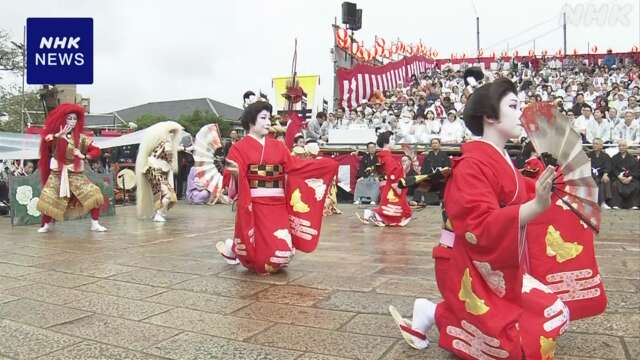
(161,50)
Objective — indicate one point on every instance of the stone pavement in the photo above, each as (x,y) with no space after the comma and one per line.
(160,291)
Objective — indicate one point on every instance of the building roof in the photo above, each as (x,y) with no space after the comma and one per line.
(173,109)
(102,121)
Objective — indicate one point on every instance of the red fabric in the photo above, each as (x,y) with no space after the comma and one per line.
(54,122)
(95,214)
(93,152)
(260,221)
(394,207)
(482,200)
(294,127)
(357,85)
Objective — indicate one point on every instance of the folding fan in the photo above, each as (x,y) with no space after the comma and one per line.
(554,138)
(205,161)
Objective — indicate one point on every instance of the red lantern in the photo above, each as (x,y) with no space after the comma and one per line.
(559,53)
(635,48)
(480,52)
(380,42)
(493,55)
(355,48)
(545,52)
(464,56)
(434,54)
(594,49)
(515,54)
(342,38)
(504,54)
(575,51)
(532,53)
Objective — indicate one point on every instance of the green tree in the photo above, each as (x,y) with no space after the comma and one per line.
(10,54)
(196,120)
(147,120)
(11,103)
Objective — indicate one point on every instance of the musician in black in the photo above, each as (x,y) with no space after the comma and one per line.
(436,161)
(367,185)
(625,189)
(601,169)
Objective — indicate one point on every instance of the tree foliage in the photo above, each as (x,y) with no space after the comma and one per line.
(11,103)
(191,123)
(10,54)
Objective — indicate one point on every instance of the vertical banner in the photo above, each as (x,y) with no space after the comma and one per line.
(308,83)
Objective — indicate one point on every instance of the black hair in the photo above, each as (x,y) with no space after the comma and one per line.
(586,106)
(250,114)
(485,102)
(298,137)
(371,143)
(384,138)
(321,115)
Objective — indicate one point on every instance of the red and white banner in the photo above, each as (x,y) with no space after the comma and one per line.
(357,85)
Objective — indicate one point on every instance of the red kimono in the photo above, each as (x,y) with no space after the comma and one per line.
(280,202)
(491,308)
(562,256)
(394,208)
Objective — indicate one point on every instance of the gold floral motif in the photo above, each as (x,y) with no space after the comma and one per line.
(472,303)
(297,203)
(558,247)
(547,348)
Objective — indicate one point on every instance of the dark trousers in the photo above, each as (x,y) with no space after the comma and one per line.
(625,196)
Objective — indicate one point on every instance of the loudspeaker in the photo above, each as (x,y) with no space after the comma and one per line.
(349,13)
(357,25)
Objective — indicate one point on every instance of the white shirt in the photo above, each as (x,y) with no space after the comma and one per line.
(629,133)
(580,123)
(452,132)
(600,130)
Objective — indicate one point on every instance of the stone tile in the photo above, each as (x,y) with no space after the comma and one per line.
(609,324)
(153,277)
(38,313)
(23,260)
(36,251)
(189,346)
(176,264)
(402,351)
(370,303)
(633,345)
(7,282)
(381,325)
(282,277)
(197,301)
(421,272)
(340,282)
(46,293)
(6,298)
(209,324)
(324,341)
(601,346)
(623,302)
(336,267)
(118,307)
(309,356)
(423,288)
(296,315)
(125,333)
(59,279)
(85,267)
(23,341)
(221,286)
(616,284)
(291,295)
(12,270)
(122,289)
(95,351)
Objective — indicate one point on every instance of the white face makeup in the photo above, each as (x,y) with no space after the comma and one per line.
(509,125)
(72,120)
(262,125)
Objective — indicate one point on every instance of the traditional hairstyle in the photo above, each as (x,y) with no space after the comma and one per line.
(384,138)
(485,102)
(55,121)
(250,114)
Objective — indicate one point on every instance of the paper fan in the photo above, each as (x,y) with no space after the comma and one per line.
(205,161)
(554,138)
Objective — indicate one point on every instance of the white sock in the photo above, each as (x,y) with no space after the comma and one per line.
(228,248)
(424,312)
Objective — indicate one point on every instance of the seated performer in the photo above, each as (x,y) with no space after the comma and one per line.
(367,185)
(491,308)
(155,165)
(280,198)
(625,190)
(394,207)
(66,190)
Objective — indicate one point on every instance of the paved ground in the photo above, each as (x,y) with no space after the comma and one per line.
(149,291)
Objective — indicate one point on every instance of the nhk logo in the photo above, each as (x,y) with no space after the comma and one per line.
(60,50)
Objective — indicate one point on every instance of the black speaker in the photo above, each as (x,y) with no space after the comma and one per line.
(348,13)
(357,25)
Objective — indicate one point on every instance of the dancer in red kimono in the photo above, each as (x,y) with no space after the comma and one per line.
(394,207)
(280,198)
(492,308)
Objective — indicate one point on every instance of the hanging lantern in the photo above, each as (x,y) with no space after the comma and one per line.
(355,48)
(464,56)
(545,52)
(504,54)
(594,49)
(380,42)
(515,54)
(342,38)
(559,53)
(635,48)
(434,54)
(532,53)
(575,51)
(480,52)
(493,55)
